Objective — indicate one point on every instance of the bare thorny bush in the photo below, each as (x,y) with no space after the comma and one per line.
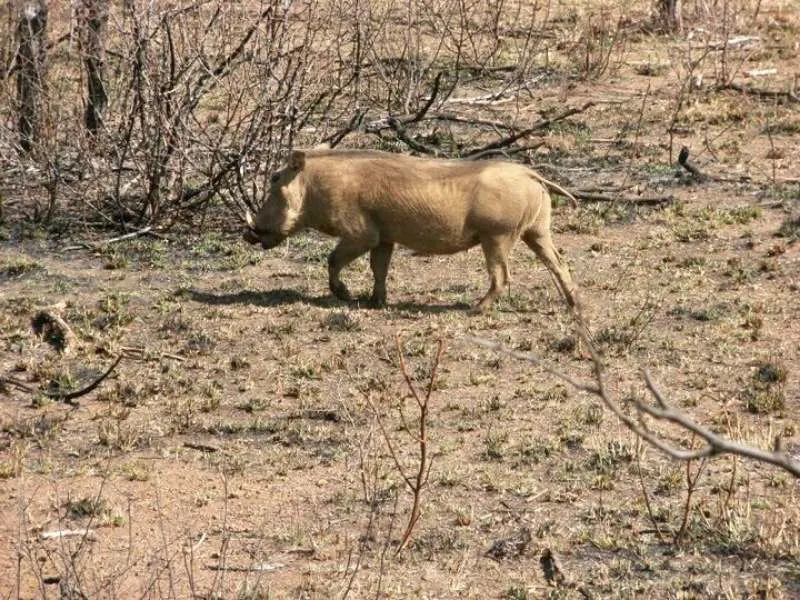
(147,111)
(150,112)
(196,93)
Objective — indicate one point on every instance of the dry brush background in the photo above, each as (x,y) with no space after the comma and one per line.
(261,439)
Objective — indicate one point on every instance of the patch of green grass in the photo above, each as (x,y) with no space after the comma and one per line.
(310,247)
(790,229)
(650,69)
(13,463)
(764,401)
(770,372)
(787,126)
(495,443)
(114,312)
(115,433)
(87,507)
(608,459)
(17,269)
(535,450)
(200,342)
(516,591)
(765,394)
(692,262)
(691,232)
(740,215)
(135,471)
(339,320)
(141,252)
(230,254)
(586,222)
(114,260)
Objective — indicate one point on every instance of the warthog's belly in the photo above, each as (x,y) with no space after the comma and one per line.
(427,241)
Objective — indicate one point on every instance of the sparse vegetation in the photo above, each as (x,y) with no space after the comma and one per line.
(233,452)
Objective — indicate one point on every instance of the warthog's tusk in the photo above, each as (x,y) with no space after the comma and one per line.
(248,216)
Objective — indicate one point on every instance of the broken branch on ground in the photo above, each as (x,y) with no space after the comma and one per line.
(66,397)
(715,445)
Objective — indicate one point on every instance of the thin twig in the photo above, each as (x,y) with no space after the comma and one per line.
(67,397)
(786,96)
(643,200)
(400,131)
(646,497)
(424,463)
(539,126)
(691,486)
(420,114)
(114,240)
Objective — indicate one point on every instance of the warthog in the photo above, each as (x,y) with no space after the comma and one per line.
(374,200)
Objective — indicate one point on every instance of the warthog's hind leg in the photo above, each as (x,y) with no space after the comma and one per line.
(379,258)
(542,244)
(495,250)
(343,254)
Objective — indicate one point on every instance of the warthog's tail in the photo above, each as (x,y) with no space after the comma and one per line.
(554,186)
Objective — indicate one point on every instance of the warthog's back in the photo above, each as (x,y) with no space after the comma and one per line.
(430,206)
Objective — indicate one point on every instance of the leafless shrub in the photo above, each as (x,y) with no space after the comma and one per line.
(418,479)
(182,101)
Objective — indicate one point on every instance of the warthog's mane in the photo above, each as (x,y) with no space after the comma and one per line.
(402,164)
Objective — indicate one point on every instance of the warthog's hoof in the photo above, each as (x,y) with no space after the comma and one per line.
(376,302)
(341,292)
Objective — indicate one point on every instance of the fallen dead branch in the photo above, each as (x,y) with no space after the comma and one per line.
(88,534)
(399,124)
(114,240)
(258,568)
(538,126)
(201,447)
(506,152)
(789,95)
(683,160)
(142,354)
(734,42)
(66,397)
(715,445)
(53,329)
(400,131)
(642,200)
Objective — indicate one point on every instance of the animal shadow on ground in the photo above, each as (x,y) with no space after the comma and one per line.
(276,297)
(281,296)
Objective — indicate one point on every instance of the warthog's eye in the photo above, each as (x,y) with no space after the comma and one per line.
(274,179)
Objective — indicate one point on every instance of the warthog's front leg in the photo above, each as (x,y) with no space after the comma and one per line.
(379,258)
(346,251)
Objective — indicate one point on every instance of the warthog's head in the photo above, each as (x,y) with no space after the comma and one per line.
(279,216)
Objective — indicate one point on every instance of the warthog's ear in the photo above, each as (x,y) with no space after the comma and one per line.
(297,160)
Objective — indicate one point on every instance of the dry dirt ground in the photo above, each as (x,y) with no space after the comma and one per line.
(234,453)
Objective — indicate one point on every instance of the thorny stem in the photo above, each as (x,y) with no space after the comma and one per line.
(646,496)
(420,479)
(424,463)
(691,486)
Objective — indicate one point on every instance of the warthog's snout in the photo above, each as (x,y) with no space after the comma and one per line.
(253,236)
(267,240)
